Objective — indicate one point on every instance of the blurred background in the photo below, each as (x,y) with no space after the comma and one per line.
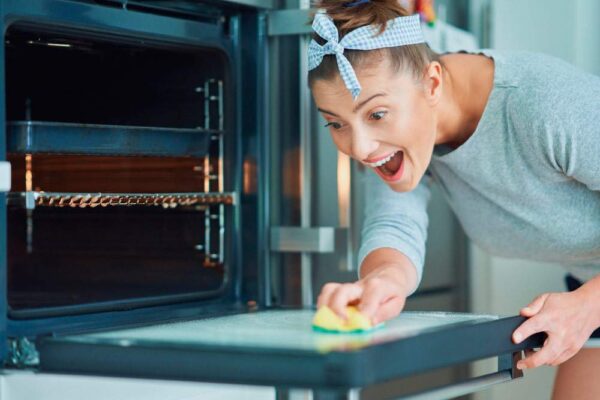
(458,275)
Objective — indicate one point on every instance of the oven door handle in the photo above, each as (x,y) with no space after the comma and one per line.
(5,175)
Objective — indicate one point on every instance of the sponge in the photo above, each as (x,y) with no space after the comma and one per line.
(325,320)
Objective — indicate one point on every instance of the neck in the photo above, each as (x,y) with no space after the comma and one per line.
(468,81)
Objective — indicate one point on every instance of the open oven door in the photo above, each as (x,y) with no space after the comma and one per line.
(277,347)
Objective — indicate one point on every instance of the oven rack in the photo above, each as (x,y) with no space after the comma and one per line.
(33,199)
(94,139)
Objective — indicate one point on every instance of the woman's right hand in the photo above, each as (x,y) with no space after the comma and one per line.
(380,295)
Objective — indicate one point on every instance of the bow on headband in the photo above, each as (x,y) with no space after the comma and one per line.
(400,31)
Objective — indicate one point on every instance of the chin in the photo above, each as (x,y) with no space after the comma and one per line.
(402,187)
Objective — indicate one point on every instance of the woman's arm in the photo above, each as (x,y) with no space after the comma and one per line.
(395,222)
(406,271)
(387,278)
(392,266)
(391,255)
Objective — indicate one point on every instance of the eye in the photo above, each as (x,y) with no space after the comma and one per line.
(334,125)
(378,115)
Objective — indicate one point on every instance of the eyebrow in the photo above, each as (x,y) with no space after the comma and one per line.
(362,103)
(358,106)
(328,112)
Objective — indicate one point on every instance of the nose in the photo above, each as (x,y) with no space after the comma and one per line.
(363,145)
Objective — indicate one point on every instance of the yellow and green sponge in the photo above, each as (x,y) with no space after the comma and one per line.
(325,320)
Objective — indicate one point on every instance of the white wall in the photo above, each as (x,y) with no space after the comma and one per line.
(565,29)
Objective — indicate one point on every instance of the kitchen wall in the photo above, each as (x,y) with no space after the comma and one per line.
(565,29)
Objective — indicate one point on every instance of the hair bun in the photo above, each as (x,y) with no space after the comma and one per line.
(348,17)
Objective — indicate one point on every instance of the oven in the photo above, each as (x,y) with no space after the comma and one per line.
(134,151)
(142,232)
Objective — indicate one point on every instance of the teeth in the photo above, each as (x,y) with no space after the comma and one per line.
(381,162)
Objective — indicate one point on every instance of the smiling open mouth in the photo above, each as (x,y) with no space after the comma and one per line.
(391,167)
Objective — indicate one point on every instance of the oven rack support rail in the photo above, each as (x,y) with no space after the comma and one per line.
(73,138)
(207,202)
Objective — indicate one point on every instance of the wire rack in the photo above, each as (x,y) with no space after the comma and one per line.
(34,199)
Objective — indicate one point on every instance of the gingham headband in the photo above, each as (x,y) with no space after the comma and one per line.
(400,31)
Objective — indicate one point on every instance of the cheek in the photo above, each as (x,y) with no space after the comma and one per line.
(341,142)
(421,127)
(419,140)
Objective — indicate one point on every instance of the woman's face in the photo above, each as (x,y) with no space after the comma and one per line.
(393,119)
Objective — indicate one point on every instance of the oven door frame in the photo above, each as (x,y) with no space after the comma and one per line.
(344,370)
(238,33)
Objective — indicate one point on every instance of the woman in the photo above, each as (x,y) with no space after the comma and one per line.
(511,138)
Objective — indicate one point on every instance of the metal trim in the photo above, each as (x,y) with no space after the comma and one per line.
(5,176)
(264,4)
(462,388)
(59,137)
(295,239)
(290,22)
(112,20)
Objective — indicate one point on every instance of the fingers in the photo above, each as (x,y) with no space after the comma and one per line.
(380,300)
(375,294)
(532,360)
(547,355)
(535,306)
(389,310)
(377,299)
(342,296)
(531,326)
(529,352)
(326,293)
(565,320)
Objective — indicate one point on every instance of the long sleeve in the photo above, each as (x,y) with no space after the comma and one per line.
(395,220)
(577,133)
(559,111)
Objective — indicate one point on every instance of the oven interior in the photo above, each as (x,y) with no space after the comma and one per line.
(118,193)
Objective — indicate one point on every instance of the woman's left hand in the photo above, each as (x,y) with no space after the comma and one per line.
(567,318)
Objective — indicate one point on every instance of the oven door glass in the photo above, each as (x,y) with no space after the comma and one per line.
(279,347)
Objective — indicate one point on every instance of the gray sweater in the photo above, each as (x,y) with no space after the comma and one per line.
(525,185)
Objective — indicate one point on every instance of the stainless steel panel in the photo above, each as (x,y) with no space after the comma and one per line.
(444,261)
(267,4)
(4,176)
(306,263)
(290,22)
(311,240)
